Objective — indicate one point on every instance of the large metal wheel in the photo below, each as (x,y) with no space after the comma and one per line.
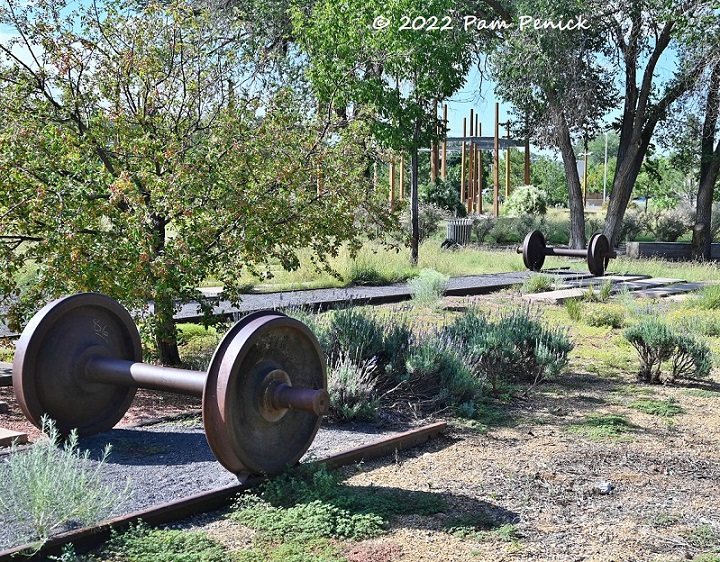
(247,434)
(534,250)
(48,370)
(598,249)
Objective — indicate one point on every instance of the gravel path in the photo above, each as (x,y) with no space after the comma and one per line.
(167,461)
(466,285)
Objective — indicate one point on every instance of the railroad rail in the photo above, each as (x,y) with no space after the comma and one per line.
(86,538)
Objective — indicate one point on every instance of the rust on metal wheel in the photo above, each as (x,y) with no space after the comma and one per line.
(247,422)
(48,370)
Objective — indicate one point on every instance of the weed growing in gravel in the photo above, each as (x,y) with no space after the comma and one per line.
(538,283)
(142,543)
(663,408)
(602,426)
(428,287)
(49,487)
(703,536)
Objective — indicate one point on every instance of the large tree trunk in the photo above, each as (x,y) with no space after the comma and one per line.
(166,332)
(709,171)
(623,183)
(414,206)
(640,114)
(575,196)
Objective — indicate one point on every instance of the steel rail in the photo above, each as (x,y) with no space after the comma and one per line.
(86,538)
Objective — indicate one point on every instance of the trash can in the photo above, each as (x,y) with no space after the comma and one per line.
(458,231)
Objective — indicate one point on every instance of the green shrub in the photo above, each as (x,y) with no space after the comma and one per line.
(361,336)
(428,287)
(701,322)
(657,342)
(526,200)
(443,194)
(144,544)
(429,217)
(633,224)
(668,226)
(442,371)
(514,348)
(48,487)
(538,283)
(187,332)
(482,225)
(352,389)
(599,315)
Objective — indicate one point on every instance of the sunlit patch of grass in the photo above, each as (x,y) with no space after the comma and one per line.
(664,408)
(689,271)
(602,426)
(701,393)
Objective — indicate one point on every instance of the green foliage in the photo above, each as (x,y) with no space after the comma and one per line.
(513,229)
(429,217)
(442,371)
(538,283)
(49,488)
(657,342)
(352,389)
(602,426)
(480,527)
(707,298)
(188,332)
(610,315)
(147,177)
(482,225)
(443,194)
(664,408)
(633,224)
(428,287)
(145,544)
(518,348)
(360,335)
(526,200)
(306,521)
(668,226)
(601,295)
(197,345)
(318,550)
(574,308)
(310,502)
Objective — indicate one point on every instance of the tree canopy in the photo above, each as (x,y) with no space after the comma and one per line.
(141,153)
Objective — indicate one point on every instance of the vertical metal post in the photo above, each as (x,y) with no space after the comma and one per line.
(462,163)
(443,169)
(496,163)
(507,161)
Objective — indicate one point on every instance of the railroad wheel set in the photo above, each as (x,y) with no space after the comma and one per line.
(78,361)
(598,253)
(263,396)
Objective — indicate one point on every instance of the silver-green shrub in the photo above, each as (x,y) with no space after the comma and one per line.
(657,342)
(51,487)
(428,287)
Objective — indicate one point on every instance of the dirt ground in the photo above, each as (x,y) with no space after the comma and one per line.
(540,484)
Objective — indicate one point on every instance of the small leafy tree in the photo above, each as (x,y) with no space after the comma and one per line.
(143,151)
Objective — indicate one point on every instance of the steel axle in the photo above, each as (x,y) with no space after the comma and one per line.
(263,395)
